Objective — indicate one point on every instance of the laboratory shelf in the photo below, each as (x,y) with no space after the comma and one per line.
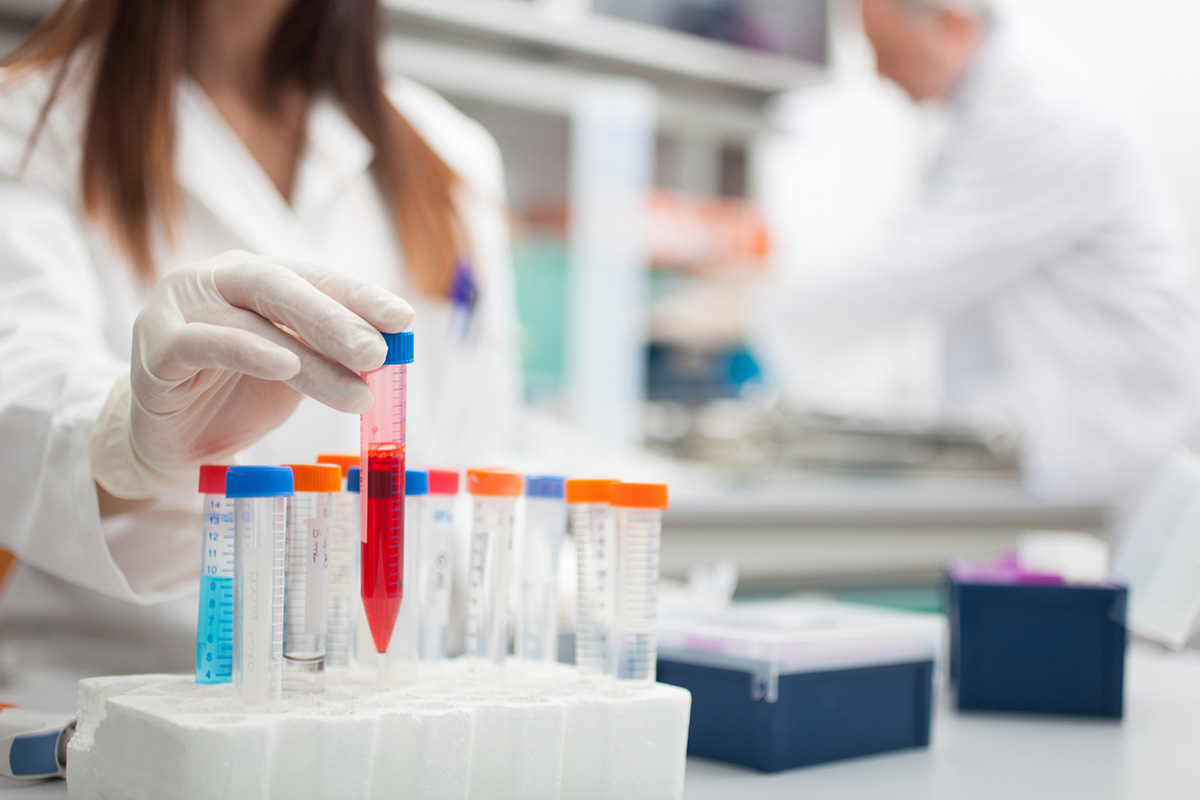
(816,531)
(551,88)
(525,56)
(606,43)
(855,501)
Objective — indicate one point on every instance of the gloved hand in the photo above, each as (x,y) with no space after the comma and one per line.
(223,351)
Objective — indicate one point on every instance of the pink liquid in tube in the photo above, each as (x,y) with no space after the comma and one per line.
(383,551)
(382,491)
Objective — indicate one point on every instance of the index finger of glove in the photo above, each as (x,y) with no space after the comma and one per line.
(386,311)
(280,295)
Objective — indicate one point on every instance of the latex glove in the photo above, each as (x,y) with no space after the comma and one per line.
(223,351)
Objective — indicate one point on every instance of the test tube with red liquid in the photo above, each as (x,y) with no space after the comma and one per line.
(382,494)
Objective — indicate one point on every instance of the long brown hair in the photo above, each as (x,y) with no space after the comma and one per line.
(140,48)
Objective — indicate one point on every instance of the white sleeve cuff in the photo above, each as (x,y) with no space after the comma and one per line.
(115,463)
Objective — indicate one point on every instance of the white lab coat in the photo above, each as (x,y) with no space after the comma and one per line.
(67,305)
(1044,244)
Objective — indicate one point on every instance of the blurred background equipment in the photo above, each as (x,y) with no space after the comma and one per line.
(765,435)
(793,28)
(769,141)
(609,226)
(1159,556)
(1027,638)
(794,682)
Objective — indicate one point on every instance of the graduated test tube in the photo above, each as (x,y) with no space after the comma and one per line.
(260,510)
(541,544)
(594,527)
(494,499)
(214,628)
(306,614)
(399,665)
(639,527)
(437,563)
(344,544)
(382,503)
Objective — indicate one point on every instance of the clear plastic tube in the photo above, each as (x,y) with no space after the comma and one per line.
(258,588)
(399,664)
(489,572)
(639,530)
(594,528)
(541,545)
(363,647)
(344,543)
(489,578)
(310,516)
(214,626)
(382,498)
(437,563)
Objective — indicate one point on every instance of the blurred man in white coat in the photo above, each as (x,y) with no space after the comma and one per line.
(1043,243)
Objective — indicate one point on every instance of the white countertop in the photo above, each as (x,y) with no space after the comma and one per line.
(1153,755)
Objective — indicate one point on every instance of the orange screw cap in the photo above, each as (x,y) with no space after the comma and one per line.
(640,495)
(495,482)
(317,477)
(589,491)
(342,460)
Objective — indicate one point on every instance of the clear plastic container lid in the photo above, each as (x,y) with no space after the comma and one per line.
(789,637)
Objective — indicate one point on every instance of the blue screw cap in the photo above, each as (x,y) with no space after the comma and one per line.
(353,480)
(551,487)
(416,482)
(400,347)
(259,482)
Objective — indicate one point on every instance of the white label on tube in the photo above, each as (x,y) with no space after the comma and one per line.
(440,561)
(316,601)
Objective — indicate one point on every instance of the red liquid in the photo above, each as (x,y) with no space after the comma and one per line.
(383,551)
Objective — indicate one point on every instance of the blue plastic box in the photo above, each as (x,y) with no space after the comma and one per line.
(793,683)
(1052,649)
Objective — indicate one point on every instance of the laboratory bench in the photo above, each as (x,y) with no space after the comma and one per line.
(1152,754)
(819,530)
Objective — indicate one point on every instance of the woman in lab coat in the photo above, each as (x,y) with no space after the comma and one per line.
(218,190)
(1043,243)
